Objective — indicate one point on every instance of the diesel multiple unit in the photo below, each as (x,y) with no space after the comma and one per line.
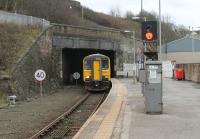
(96,72)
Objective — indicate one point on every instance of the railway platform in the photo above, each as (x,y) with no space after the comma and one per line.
(123,116)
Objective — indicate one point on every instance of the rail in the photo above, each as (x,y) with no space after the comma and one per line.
(57,120)
(56,129)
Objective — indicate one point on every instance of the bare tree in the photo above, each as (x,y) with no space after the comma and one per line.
(129,14)
(115,12)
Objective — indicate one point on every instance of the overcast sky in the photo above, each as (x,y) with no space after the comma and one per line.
(181,12)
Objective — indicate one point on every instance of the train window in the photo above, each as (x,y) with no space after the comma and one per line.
(88,64)
(105,64)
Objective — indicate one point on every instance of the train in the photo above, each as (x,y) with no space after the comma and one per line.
(97,72)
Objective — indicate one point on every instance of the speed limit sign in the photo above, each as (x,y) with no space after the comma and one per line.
(76,75)
(40,75)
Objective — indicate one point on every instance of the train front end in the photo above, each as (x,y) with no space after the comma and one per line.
(96,72)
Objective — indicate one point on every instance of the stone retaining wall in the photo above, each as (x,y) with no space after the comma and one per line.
(40,55)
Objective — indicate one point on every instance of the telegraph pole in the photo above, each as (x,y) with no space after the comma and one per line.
(141,7)
(160,43)
(82,14)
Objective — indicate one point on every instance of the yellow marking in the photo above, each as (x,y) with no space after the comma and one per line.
(106,128)
(86,73)
(106,73)
(108,120)
(96,66)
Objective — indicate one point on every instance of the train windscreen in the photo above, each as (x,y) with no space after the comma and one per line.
(105,64)
(88,64)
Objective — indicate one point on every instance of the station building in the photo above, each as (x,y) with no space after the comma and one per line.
(185,53)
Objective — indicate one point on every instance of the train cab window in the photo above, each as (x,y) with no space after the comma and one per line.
(105,64)
(88,64)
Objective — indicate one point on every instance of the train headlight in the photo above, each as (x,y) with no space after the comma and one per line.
(105,78)
(87,77)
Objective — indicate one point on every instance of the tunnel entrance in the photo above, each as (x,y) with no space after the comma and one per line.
(72,62)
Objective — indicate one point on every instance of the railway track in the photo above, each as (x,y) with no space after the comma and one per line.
(67,124)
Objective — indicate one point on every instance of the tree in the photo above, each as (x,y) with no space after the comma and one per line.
(115,12)
(129,15)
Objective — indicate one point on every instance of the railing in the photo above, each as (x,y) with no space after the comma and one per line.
(7,17)
(106,33)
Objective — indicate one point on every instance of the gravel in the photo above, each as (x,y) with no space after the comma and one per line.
(26,118)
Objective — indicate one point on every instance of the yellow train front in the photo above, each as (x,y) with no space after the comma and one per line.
(96,72)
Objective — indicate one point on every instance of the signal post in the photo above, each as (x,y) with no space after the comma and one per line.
(151,75)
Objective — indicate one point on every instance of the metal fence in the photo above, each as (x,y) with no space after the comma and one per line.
(7,17)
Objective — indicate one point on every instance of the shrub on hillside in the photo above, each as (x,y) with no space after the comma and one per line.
(13,40)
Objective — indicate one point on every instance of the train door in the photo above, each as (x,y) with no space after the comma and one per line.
(96,70)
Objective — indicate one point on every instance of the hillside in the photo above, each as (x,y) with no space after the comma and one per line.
(14,40)
(70,12)
(65,11)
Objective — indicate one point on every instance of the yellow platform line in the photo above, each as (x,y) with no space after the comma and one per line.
(106,128)
(108,121)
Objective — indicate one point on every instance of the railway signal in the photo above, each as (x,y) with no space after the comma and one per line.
(149,31)
(149,38)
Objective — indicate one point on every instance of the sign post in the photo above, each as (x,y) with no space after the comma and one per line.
(40,75)
(76,76)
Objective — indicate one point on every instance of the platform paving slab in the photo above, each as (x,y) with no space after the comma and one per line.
(123,115)
(180,118)
(101,124)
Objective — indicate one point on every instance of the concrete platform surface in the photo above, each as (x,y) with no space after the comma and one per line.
(180,118)
(101,124)
(123,114)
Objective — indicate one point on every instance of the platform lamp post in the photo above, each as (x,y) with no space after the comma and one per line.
(160,36)
(141,18)
(82,10)
(134,57)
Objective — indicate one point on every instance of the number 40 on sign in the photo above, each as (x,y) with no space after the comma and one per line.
(40,75)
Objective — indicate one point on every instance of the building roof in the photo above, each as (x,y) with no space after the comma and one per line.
(185,44)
